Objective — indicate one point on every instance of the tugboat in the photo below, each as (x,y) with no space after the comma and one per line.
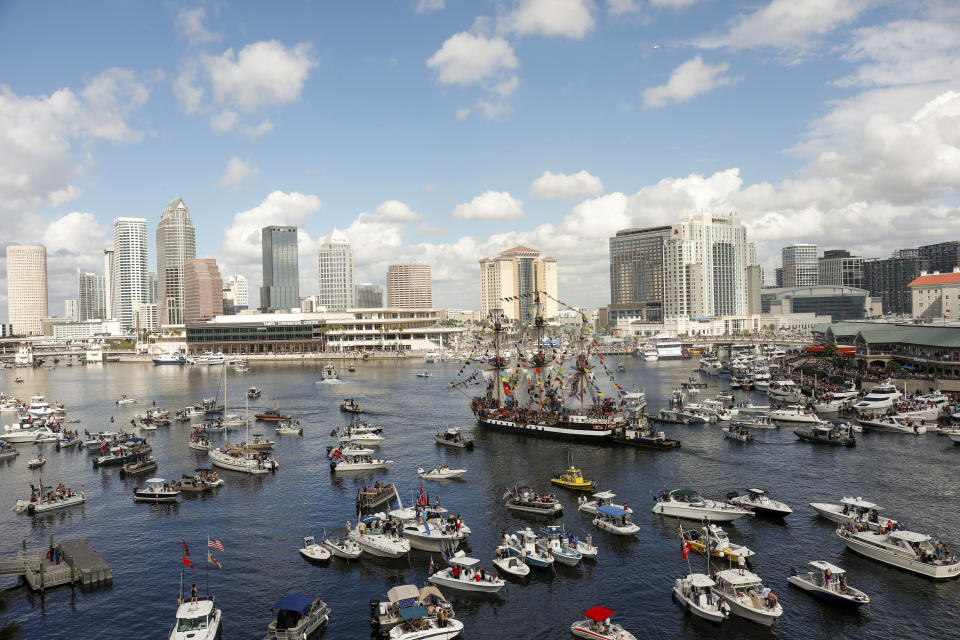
(573,479)
(640,434)
(350,406)
(271,415)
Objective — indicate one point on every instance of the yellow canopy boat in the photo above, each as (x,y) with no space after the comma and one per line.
(572,478)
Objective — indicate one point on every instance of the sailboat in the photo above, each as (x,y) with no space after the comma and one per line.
(240,458)
(232,421)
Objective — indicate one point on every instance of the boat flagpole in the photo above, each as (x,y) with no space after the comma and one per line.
(208,546)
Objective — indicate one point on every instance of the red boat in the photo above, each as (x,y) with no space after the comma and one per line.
(271,415)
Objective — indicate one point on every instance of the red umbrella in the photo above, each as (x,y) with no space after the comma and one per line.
(599,614)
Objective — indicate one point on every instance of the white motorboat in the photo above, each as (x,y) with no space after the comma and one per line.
(49,501)
(687,504)
(761,380)
(373,538)
(442,472)
(342,546)
(597,626)
(511,565)
(894,424)
(669,350)
(385,615)
(329,372)
(289,428)
(453,437)
(197,621)
(361,437)
(351,462)
(830,405)
(239,459)
(783,391)
(746,595)
(425,627)
(254,392)
(599,499)
(199,442)
(756,422)
(7,450)
(927,407)
(235,421)
(794,413)
(586,547)
(760,503)
(350,448)
(649,353)
(432,535)
(906,550)
(740,434)
(613,520)
(17,433)
(424,374)
(750,408)
(710,365)
(694,593)
(527,500)
(955,436)
(313,551)
(561,544)
(298,616)
(36,461)
(828,582)
(156,490)
(463,575)
(717,540)
(880,399)
(39,407)
(170,358)
(713,408)
(855,509)
(524,545)
(126,400)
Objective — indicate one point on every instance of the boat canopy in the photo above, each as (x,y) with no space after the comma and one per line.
(463,561)
(683,492)
(605,495)
(757,492)
(430,590)
(298,602)
(156,481)
(700,580)
(859,502)
(403,592)
(823,565)
(599,614)
(613,512)
(909,536)
(733,577)
(133,440)
(196,609)
(409,613)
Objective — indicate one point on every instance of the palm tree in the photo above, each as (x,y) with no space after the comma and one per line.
(11,630)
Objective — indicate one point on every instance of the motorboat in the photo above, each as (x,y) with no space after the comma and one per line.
(254,392)
(441,472)
(676,416)
(669,350)
(783,391)
(715,409)
(298,616)
(524,545)
(573,479)
(351,367)
(745,594)
(362,435)
(373,538)
(694,592)
(49,499)
(199,482)
(144,464)
(313,551)
(289,428)
(235,421)
(620,367)
(687,504)
(561,545)
(349,405)
(756,422)
(635,400)
(717,540)
(894,424)
(955,436)
(710,364)
(511,565)
(749,408)
(463,575)
(586,547)
(597,625)
(259,443)
(527,500)
(235,458)
(927,407)
(197,621)
(830,404)
(156,490)
(599,499)
(126,400)
(351,462)
(430,534)
(649,353)
(879,400)
(853,509)
(740,434)
(760,503)
(342,546)
(824,432)
(7,451)
(829,583)
(453,437)
(170,358)
(36,461)
(17,433)
(424,374)
(418,624)
(271,415)
(329,372)
(761,380)
(386,615)
(794,413)
(45,434)
(641,435)
(908,550)
(39,407)
(199,442)
(614,520)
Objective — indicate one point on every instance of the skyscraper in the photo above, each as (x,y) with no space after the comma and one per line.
(108,309)
(26,288)
(202,290)
(335,269)
(840,269)
(240,292)
(514,272)
(369,296)
(800,265)
(130,284)
(409,286)
(91,297)
(176,242)
(281,271)
(70,308)
(636,271)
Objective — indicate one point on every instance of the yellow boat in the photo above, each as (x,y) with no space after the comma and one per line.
(720,545)
(572,478)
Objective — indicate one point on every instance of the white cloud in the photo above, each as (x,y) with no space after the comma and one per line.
(787,24)
(690,79)
(240,173)
(189,23)
(463,113)
(506,88)
(560,185)
(429,6)
(491,205)
(565,18)
(673,4)
(393,211)
(622,7)
(466,59)
(492,109)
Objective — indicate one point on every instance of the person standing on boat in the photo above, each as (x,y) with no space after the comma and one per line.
(741,563)
(193,593)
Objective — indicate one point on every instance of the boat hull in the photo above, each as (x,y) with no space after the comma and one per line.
(553,511)
(442,580)
(557,431)
(942,572)
(749,613)
(695,609)
(646,443)
(826,595)
(808,436)
(698,514)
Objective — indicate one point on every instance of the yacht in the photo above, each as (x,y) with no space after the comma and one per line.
(710,365)
(783,391)
(761,380)
(374,539)
(600,499)
(431,356)
(850,508)
(39,407)
(894,424)
(329,372)
(880,399)
(463,575)
(156,490)
(170,358)
(693,593)
(906,550)
(650,353)
(717,540)
(669,350)
(350,462)
(686,503)
(16,433)
(744,595)
(827,582)
(614,520)
(794,413)
(197,621)
(441,472)
(298,616)
(927,407)
(240,459)
(760,503)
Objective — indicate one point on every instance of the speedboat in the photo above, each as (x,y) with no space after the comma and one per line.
(197,621)
(418,624)
(572,478)
(350,406)
(313,551)
(49,500)
(783,391)
(686,503)
(756,422)
(511,565)
(794,413)
(908,550)
(694,593)
(342,546)
(527,500)
(361,434)
(431,534)
(855,509)
(156,490)
(718,542)
(240,459)
(599,499)
(463,575)
(125,400)
(297,616)
(597,626)
(740,434)
(372,537)
(36,461)
(880,399)
(454,438)
(614,520)
(351,462)
(424,374)
(385,615)
(442,472)
(760,503)
(894,424)
(561,545)
(823,432)
(745,595)
(828,582)
(289,428)
(524,545)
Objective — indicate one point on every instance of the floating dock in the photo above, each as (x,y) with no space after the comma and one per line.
(60,564)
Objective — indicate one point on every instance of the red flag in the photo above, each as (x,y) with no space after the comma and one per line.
(186,562)
(686,550)
(186,550)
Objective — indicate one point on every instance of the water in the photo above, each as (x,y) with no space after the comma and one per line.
(260,520)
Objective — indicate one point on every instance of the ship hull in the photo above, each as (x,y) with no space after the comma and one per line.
(561,431)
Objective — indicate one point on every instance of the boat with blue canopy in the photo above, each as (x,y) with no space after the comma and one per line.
(298,616)
(614,520)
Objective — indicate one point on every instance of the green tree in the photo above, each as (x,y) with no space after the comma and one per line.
(830,349)
(893,366)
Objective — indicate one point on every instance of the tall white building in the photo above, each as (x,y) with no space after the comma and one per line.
(26,288)
(240,291)
(409,286)
(800,265)
(70,308)
(129,275)
(91,300)
(108,310)
(176,242)
(514,272)
(335,270)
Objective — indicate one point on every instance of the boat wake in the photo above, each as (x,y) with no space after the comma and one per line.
(331,381)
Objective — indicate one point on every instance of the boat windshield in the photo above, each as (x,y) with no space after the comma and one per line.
(192,624)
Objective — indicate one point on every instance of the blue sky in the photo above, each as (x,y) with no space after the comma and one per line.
(421,127)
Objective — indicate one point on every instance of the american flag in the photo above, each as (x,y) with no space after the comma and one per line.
(214,544)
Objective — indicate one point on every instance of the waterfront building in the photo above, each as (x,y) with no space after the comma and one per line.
(800,265)
(108,259)
(26,288)
(890,278)
(281,271)
(63,328)
(176,243)
(936,296)
(930,348)
(636,273)
(146,316)
(240,293)
(465,316)
(70,308)
(514,272)
(369,296)
(839,303)
(409,286)
(754,275)
(202,290)
(91,296)
(129,272)
(335,273)
(720,326)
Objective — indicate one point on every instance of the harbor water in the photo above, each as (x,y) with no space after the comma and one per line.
(261,520)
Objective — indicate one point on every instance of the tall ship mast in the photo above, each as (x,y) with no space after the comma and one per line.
(549,390)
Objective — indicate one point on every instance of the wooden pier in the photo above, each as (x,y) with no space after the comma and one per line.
(64,563)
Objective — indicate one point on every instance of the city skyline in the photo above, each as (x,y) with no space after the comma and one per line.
(806,124)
